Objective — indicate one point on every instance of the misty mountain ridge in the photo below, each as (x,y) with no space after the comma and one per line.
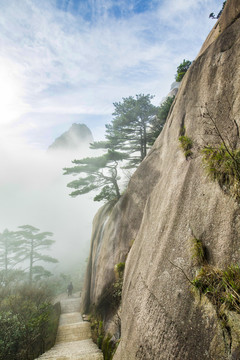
(79,136)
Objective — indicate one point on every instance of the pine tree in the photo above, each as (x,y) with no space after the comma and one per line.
(34,244)
(97,173)
(10,256)
(159,120)
(129,130)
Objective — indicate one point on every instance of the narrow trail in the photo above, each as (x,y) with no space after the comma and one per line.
(73,340)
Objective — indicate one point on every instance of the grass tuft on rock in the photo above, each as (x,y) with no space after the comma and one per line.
(221,287)
(186,145)
(223,166)
(198,252)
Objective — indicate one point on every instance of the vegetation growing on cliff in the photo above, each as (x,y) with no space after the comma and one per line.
(130,126)
(222,287)
(198,252)
(221,158)
(128,137)
(182,69)
(118,284)
(186,145)
(110,303)
(223,166)
(97,173)
(104,341)
(212,15)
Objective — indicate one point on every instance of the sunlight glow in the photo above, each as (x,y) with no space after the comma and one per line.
(11,93)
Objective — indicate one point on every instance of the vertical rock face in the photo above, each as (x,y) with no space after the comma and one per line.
(230,14)
(168,201)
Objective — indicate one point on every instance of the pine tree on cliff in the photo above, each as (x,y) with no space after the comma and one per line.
(136,126)
(96,173)
(128,137)
(129,130)
(212,15)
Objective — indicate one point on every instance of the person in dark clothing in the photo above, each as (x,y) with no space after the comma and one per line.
(70,289)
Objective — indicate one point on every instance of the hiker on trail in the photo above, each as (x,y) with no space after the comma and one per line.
(70,289)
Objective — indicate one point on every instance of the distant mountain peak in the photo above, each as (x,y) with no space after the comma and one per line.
(78,136)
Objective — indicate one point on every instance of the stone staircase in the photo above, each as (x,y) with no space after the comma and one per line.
(73,340)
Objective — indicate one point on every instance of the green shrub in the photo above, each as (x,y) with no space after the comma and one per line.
(119,269)
(186,145)
(26,323)
(118,284)
(104,342)
(108,347)
(223,166)
(11,330)
(108,304)
(182,69)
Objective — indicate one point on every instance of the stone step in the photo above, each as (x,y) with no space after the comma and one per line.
(70,305)
(77,350)
(73,340)
(70,318)
(73,332)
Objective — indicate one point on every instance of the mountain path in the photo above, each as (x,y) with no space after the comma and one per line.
(73,341)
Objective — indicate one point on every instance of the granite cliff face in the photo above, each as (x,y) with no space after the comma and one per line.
(169,200)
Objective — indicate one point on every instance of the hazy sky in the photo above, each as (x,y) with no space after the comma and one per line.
(65,61)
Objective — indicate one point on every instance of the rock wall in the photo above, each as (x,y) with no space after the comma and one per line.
(230,14)
(169,200)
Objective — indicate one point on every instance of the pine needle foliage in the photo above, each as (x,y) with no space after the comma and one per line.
(157,122)
(97,173)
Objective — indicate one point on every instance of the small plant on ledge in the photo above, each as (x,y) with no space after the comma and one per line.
(186,145)
(198,251)
(223,166)
(222,287)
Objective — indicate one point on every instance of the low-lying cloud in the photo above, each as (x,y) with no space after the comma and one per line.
(33,191)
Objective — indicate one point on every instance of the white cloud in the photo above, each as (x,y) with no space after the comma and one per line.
(57,50)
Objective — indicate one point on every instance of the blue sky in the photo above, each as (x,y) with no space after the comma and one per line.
(65,61)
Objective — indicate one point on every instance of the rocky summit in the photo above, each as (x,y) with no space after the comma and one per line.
(78,136)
